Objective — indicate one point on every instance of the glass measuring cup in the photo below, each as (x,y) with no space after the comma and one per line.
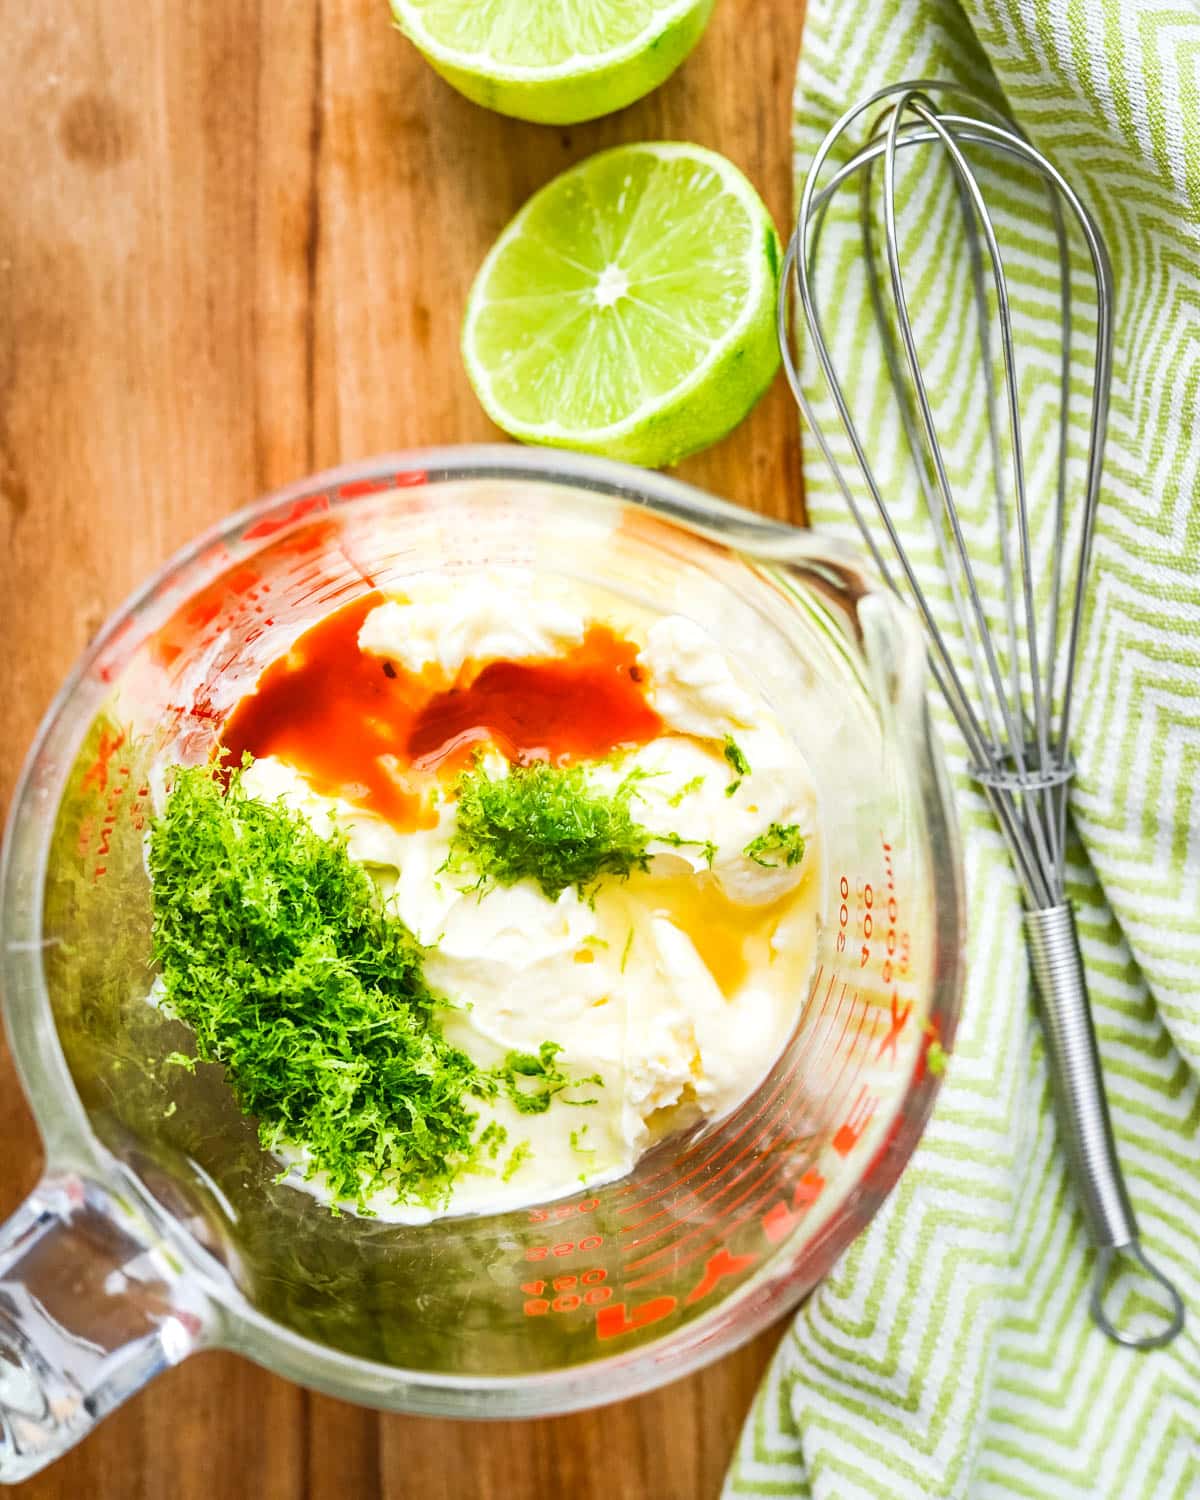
(159,1227)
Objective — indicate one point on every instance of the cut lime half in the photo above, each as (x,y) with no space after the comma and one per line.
(554,61)
(629,308)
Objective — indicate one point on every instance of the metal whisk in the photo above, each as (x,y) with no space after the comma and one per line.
(1010,686)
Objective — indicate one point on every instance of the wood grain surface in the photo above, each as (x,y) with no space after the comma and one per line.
(235,242)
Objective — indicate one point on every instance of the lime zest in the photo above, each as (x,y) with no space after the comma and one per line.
(491,1138)
(521,1153)
(782,840)
(685,790)
(548,1079)
(738,762)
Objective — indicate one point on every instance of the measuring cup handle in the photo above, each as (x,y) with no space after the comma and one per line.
(1083,1119)
(89,1312)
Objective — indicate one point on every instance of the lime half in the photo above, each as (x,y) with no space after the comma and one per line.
(554,61)
(629,308)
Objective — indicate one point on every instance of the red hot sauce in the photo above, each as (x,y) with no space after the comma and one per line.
(359,727)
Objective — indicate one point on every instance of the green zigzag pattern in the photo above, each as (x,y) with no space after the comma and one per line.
(950,1352)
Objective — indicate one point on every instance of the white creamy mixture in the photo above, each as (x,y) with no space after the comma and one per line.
(680,986)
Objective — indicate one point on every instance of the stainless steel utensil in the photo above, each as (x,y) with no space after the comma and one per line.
(1011,688)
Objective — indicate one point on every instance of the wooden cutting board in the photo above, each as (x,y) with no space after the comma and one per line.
(235,242)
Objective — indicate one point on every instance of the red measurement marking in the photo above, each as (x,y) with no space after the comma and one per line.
(563,1210)
(97,772)
(613,1321)
(113,801)
(900,1015)
(770,1171)
(597,1295)
(847,1053)
(678,1179)
(109,822)
(567,1303)
(87,827)
(201,712)
(808,1189)
(308,506)
(763,1168)
(109,666)
(866,897)
(756,1195)
(242,580)
(719,1266)
(204,612)
(779,1220)
(411,479)
(357,487)
(704,1145)
(312,538)
(850,1132)
(565,1247)
(535,1307)
(589,1278)
(672,1215)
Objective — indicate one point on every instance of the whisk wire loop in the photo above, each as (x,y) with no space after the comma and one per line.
(1010,711)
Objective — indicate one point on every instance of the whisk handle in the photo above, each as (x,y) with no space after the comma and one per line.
(1082,1108)
(1075,1073)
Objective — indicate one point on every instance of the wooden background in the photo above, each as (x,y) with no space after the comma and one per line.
(235,243)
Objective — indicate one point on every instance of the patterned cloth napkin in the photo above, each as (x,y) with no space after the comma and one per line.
(951,1353)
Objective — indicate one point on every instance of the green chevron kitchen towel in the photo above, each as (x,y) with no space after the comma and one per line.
(950,1353)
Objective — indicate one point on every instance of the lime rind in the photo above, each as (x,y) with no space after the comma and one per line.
(579,86)
(699,365)
(660,19)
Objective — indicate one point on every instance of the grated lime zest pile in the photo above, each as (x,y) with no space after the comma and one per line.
(276,949)
(550,824)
